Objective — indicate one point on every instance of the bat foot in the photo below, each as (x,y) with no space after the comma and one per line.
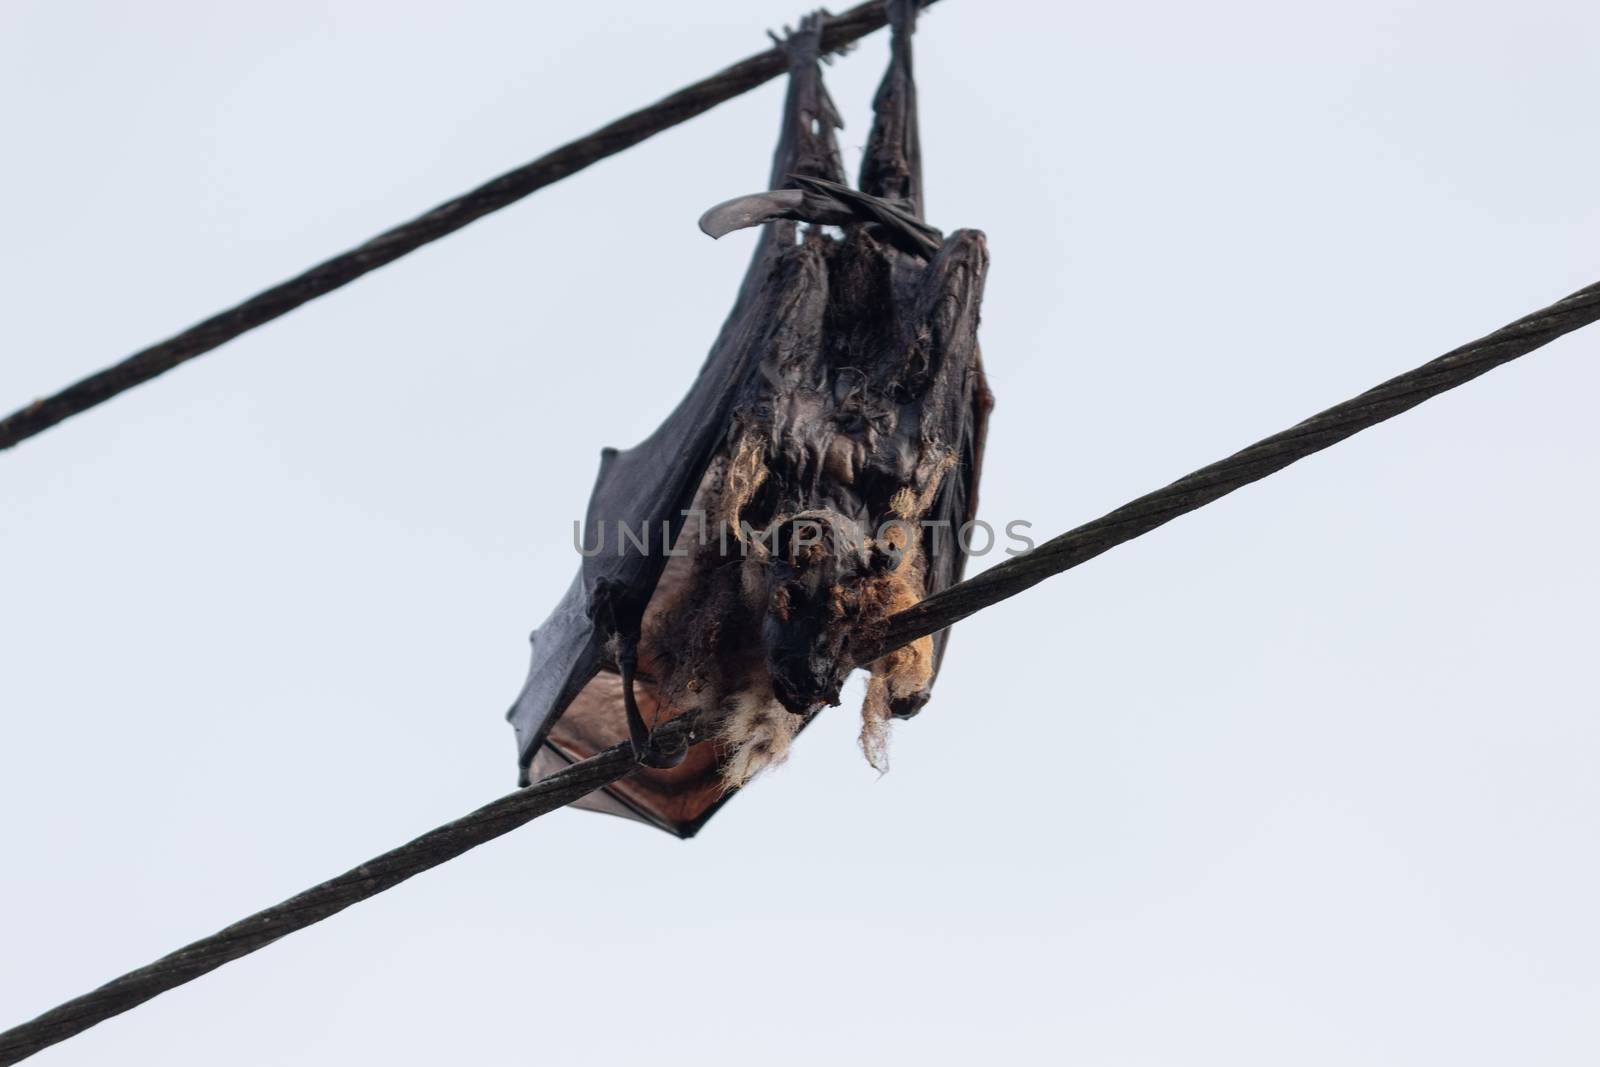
(648,753)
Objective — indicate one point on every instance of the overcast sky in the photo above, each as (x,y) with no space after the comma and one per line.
(1306,777)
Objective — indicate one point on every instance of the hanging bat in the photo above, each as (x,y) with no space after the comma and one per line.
(813,482)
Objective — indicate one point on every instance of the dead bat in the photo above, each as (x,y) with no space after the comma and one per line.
(813,482)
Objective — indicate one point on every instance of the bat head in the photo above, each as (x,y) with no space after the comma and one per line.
(821,564)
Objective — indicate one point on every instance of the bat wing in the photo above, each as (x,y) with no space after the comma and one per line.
(956,408)
(948,533)
(571,704)
(645,489)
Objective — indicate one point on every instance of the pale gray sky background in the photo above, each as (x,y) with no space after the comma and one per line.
(1308,777)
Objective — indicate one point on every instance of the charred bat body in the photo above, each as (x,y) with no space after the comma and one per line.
(835,431)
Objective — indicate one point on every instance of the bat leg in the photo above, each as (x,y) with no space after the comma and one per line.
(806,141)
(892,166)
(645,749)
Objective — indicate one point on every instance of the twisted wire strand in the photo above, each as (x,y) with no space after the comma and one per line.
(317,903)
(1271,454)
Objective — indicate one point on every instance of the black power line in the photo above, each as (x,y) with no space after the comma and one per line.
(1266,456)
(838,32)
(317,903)
(1062,553)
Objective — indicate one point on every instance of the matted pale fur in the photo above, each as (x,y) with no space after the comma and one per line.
(899,674)
(747,470)
(757,732)
(908,668)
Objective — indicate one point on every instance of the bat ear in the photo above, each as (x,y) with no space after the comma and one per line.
(742,212)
